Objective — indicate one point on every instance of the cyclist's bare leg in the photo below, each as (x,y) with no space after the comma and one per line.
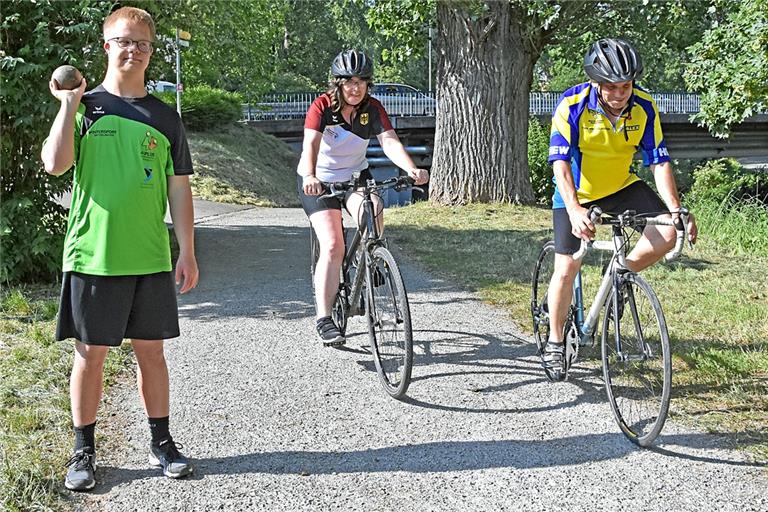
(355,209)
(328,228)
(560,294)
(652,245)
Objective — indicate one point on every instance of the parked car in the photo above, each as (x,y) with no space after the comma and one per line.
(160,86)
(404,100)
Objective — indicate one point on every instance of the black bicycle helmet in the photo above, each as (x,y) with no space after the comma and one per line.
(352,63)
(612,60)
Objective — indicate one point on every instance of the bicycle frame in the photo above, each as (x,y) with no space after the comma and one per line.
(618,263)
(372,236)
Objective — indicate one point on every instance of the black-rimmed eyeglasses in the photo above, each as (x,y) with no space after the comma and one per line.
(143,46)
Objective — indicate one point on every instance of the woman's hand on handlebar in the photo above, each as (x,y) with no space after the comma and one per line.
(419,176)
(312,186)
(581,225)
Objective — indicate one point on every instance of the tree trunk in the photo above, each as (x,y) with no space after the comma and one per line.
(484,71)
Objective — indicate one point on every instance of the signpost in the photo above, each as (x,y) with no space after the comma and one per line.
(182,39)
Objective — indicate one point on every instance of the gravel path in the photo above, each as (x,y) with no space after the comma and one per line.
(275,421)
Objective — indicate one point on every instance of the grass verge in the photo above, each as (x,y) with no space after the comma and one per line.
(243,165)
(35,423)
(715,300)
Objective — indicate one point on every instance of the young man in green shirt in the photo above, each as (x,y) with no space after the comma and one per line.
(130,158)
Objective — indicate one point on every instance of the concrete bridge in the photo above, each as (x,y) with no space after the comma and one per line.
(684,138)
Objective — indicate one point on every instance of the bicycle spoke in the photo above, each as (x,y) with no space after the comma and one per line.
(390,324)
(542,275)
(637,367)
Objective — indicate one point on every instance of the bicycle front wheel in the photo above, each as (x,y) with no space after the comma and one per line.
(637,364)
(389,323)
(542,275)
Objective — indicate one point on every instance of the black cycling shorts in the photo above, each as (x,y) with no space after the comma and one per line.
(312,204)
(104,310)
(638,196)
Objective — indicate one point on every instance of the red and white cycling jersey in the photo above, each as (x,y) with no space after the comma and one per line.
(343,146)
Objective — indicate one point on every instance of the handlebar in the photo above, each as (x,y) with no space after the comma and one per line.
(631,219)
(338,189)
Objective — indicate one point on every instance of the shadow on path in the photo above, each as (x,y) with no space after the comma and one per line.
(431,457)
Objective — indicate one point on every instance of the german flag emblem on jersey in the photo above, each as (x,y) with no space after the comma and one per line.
(364,118)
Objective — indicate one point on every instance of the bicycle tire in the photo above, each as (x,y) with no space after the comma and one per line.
(389,323)
(314,252)
(340,309)
(542,276)
(639,382)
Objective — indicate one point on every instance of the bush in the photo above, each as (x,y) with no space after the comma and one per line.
(538,167)
(204,108)
(725,181)
(36,38)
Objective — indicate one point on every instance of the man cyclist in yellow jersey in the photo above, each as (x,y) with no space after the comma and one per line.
(596,129)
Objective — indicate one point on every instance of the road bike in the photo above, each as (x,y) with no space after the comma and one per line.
(636,358)
(371,284)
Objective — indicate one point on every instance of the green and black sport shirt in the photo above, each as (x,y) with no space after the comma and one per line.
(125,148)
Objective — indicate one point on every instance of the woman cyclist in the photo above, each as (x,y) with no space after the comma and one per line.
(337,129)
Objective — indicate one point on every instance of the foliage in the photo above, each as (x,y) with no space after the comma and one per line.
(35,39)
(316,30)
(739,227)
(676,24)
(730,65)
(724,181)
(232,43)
(538,166)
(205,108)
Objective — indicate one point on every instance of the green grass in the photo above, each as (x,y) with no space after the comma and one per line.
(35,423)
(243,165)
(715,298)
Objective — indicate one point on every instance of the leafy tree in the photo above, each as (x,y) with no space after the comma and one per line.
(487,50)
(35,39)
(730,65)
(232,43)
(661,32)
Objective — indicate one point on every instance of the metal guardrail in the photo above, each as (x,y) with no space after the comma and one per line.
(281,106)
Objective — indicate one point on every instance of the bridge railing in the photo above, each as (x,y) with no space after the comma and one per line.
(282,106)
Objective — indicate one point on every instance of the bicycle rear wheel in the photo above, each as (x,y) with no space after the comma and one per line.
(389,323)
(637,367)
(542,275)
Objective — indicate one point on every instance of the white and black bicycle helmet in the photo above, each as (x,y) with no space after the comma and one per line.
(352,63)
(612,60)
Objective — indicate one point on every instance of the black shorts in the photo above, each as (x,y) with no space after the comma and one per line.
(638,196)
(312,204)
(104,310)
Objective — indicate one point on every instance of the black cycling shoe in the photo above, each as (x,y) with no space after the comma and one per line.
(553,361)
(328,332)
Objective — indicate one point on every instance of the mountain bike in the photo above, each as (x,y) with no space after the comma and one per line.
(636,358)
(371,285)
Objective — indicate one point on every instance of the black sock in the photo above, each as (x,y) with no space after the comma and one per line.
(159,429)
(84,438)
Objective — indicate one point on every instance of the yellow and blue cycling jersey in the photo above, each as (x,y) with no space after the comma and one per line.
(600,152)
